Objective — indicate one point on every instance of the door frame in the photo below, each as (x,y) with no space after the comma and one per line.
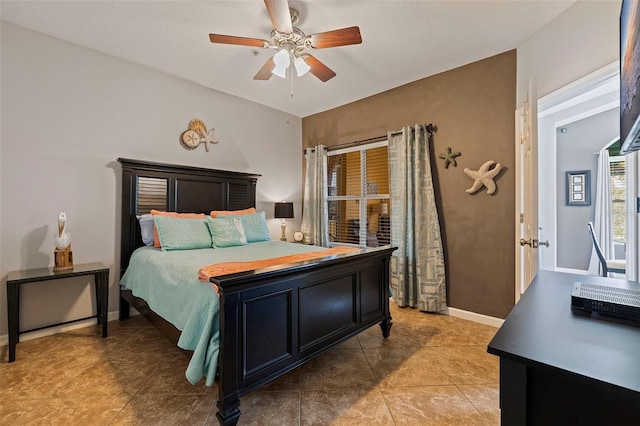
(583,98)
(632,171)
(526,209)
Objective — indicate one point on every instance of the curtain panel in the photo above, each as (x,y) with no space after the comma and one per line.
(417,267)
(315,217)
(603,222)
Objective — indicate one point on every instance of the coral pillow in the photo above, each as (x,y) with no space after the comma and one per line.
(156,240)
(215,213)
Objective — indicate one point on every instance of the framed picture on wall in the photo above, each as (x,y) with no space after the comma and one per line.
(579,188)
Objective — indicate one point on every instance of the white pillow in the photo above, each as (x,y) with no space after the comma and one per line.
(146,228)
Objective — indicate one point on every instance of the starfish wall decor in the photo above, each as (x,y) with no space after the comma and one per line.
(449,158)
(483,177)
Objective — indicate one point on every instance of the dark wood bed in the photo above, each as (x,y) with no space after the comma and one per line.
(271,320)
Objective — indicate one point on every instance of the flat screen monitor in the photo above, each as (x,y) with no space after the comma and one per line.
(630,76)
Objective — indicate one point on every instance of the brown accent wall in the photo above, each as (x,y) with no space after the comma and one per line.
(473,108)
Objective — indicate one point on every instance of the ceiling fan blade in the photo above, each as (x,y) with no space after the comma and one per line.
(242,41)
(335,38)
(265,71)
(318,69)
(280,15)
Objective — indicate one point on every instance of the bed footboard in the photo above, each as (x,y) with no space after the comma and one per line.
(274,321)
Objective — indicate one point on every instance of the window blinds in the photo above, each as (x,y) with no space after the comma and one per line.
(358,196)
(152,194)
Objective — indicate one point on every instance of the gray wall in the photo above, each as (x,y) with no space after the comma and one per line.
(67,114)
(575,151)
(583,39)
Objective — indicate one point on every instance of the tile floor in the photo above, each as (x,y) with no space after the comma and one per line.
(433,370)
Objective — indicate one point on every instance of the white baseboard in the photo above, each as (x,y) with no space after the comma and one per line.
(112,316)
(573,271)
(581,272)
(472,316)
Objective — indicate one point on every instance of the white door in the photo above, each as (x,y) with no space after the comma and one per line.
(526,199)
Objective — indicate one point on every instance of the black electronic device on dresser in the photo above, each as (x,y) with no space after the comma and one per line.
(617,298)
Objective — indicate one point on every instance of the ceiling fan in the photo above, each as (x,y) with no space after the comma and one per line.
(292,44)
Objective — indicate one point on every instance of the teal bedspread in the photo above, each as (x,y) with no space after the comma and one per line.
(168,282)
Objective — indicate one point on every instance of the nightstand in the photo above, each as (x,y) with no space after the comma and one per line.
(16,278)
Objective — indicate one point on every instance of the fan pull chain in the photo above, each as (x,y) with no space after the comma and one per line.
(291,79)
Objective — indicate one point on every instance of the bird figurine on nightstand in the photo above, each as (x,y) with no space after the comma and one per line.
(63,239)
(62,253)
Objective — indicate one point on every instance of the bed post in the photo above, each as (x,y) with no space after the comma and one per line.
(228,416)
(385,324)
(124,309)
(228,397)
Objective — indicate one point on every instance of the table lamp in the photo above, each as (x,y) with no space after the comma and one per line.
(283,210)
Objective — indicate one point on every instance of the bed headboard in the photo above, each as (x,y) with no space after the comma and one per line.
(169,187)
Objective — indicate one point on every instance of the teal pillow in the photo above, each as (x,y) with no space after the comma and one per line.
(177,233)
(226,232)
(254,225)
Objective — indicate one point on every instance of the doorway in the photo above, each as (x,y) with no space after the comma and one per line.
(570,120)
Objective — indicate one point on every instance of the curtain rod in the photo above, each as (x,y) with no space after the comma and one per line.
(429,127)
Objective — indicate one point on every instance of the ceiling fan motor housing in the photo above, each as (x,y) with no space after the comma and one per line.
(295,42)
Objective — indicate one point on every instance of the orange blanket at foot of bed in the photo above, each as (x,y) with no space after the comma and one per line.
(226,268)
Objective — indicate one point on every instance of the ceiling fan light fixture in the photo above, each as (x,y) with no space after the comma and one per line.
(282,62)
(301,66)
(292,44)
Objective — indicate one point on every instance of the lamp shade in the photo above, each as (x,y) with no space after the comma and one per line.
(301,66)
(282,62)
(283,210)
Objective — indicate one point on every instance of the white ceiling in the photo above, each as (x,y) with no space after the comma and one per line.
(403,41)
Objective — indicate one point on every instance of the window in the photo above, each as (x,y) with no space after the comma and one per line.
(358,196)
(617,171)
